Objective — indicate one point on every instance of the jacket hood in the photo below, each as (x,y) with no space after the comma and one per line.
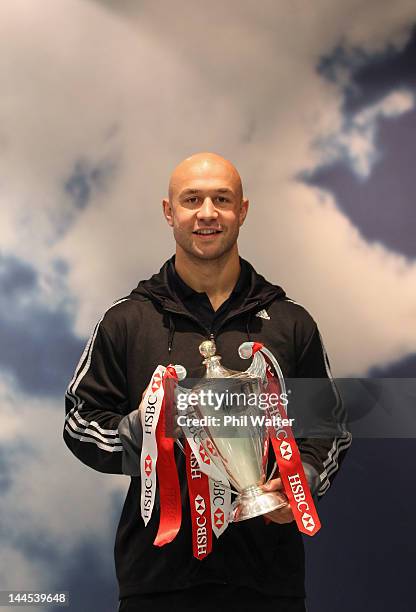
(158,290)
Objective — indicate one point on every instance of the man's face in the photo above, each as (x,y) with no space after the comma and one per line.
(206,208)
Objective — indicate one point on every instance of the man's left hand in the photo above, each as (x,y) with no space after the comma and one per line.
(281,515)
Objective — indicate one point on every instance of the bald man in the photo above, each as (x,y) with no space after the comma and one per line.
(206,209)
(205,291)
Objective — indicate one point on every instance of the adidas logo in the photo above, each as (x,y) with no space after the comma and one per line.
(262,314)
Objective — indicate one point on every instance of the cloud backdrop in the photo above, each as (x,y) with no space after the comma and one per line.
(313,102)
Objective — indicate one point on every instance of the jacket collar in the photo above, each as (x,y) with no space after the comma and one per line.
(259,291)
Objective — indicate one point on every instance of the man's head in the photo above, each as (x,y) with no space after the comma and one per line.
(206,206)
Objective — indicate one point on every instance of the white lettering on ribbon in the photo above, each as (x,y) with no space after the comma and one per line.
(149,415)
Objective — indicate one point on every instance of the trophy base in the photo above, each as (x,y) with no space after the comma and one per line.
(254,501)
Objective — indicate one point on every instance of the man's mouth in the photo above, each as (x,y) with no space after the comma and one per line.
(207,231)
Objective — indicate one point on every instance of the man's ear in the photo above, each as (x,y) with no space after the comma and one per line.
(167,211)
(243,211)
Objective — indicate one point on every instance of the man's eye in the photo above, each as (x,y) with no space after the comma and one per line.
(222,200)
(192,200)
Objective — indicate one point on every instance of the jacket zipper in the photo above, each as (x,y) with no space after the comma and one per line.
(237,314)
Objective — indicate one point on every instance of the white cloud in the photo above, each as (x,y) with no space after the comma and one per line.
(393,105)
(17,570)
(52,497)
(361,295)
(357,141)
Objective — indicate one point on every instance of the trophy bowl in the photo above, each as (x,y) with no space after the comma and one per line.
(232,431)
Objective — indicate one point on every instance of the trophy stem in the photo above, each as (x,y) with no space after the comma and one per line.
(254,501)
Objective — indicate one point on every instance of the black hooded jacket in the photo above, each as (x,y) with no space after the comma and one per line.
(150,327)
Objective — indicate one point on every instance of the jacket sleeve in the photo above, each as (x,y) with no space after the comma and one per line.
(322,455)
(99,429)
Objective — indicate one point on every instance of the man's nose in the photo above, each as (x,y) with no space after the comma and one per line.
(207,210)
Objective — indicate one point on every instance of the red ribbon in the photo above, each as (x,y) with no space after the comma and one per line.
(199,499)
(289,462)
(167,474)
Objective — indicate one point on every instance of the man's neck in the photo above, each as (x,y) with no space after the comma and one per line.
(216,277)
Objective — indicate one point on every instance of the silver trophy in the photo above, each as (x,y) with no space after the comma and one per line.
(231,430)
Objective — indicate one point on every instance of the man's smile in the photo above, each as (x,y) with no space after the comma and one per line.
(207,232)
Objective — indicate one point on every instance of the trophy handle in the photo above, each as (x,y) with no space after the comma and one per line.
(258,368)
(274,468)
(258,365)
(180,371)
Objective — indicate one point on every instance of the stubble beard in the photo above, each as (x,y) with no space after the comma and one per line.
(189,247)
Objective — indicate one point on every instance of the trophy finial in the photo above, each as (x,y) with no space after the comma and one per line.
(207,348)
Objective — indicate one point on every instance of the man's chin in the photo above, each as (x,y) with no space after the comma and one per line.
(208,253)
(206,256)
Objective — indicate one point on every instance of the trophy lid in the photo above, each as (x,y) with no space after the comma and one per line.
(208,349)
(212,362)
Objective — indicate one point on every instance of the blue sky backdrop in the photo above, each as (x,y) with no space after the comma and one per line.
(315,103)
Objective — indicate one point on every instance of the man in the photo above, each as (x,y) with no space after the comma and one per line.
(206,290)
